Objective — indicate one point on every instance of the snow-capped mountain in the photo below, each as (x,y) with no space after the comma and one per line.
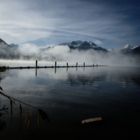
(84,45)
(12,51)
(129,49)
(136,49)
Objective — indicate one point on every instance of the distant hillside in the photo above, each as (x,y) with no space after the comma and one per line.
(7,50)
(130,50)
(56,52)
(2,42)
(84,45)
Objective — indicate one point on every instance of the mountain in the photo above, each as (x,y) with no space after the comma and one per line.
(129,49)
(84,45)
(2,43)
(136,50)
(4,49)
(8,51)
(13,51)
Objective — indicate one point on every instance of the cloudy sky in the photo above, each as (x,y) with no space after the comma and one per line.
(109,23)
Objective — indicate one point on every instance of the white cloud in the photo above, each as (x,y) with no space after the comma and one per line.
(29,50)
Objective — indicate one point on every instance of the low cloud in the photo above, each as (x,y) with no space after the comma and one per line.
(28,50)
(62,53)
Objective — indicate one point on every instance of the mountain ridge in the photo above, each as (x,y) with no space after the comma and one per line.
(84,45)
(130,49)
(13,51)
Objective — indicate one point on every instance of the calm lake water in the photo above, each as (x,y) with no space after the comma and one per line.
(57,101)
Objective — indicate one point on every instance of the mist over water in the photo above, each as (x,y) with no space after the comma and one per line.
(63,53)
(28,53)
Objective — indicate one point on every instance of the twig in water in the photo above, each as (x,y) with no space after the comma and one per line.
(13,100)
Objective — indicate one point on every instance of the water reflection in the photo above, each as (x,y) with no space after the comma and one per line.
(68,96)
(29,116)
(3,111)
(84,79)
(36,72)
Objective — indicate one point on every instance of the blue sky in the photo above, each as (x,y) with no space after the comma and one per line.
(109,23)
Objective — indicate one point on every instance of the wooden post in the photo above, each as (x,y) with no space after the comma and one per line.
(55,64)
(84,64)
(67,65)
(76,64)
(36,63)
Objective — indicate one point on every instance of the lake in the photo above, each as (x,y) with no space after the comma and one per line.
(49,101)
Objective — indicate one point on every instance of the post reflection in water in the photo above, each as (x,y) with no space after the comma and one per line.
(55,70)
(57,100)
(36,72)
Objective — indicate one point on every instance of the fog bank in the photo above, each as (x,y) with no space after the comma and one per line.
(62,54)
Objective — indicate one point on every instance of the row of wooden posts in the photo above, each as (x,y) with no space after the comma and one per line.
(53,66)
(67,65)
